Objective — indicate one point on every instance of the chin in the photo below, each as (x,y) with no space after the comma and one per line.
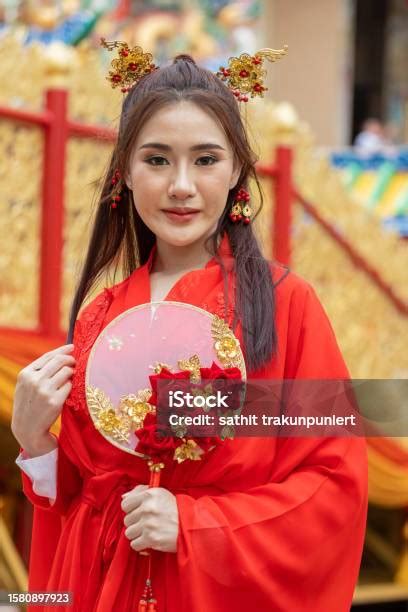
(180,242)
(181,239)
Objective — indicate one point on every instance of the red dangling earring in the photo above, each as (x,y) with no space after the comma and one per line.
(241,209)
(116,189)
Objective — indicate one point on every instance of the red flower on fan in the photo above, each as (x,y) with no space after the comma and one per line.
(152,442)
(151,439)
(219,377)
(215,372)
(165,374)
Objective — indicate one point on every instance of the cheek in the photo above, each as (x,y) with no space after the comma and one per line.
(144,179)
(214,192)
(148,188)
(214,182)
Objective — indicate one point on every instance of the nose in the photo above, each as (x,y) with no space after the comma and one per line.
(182,185)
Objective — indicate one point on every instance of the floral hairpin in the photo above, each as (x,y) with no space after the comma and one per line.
(129,66)
(244,76)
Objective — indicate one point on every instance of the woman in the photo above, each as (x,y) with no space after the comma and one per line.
(261,523)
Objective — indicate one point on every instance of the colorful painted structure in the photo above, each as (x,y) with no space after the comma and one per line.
(380,183)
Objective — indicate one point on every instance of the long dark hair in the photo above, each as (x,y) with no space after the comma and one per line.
(120,237)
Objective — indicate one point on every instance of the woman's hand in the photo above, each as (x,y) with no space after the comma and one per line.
(151,519)
(41,390)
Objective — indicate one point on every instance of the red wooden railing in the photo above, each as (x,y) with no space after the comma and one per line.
(58,128)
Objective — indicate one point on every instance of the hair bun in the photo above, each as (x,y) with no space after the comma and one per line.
(185,58)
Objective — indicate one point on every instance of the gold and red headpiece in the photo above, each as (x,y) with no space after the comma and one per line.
(244,75)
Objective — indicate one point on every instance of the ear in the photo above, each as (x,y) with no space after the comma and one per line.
(235,175)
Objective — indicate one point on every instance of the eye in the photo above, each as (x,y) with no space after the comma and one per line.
(209,158)
(155,158)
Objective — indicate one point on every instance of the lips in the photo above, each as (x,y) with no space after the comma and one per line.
(181,211)
(181,216)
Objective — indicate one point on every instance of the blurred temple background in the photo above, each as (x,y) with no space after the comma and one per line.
(332,138)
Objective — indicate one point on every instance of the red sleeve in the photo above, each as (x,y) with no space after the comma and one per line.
(293,543)
(69,481)
(48,519)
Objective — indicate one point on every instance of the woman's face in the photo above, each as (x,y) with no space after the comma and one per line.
(181,159)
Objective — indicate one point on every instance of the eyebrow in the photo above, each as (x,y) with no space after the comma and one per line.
(199,147)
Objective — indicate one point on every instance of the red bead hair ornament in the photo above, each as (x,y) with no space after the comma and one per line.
(116,183)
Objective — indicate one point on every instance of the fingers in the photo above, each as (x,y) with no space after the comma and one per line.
(55,365)
(134,498)
(139,543)
(133,532)
(62,393)
(61,377)
(41,361)
(42,388)
(154,522)
(133,517)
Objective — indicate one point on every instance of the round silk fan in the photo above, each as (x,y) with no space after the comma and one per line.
(140,342)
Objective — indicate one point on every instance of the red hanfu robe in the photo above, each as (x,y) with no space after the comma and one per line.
(266,524)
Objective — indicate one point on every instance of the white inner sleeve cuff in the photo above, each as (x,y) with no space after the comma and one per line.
(42,471)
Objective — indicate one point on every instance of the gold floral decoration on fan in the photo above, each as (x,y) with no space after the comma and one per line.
(188,450)
(106,419)
(179,430)
(205,392)
(226,345)
(158,366)
(118,424)
(193,366)
(136,406)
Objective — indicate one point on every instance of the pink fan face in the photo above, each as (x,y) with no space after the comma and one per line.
(134,345)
